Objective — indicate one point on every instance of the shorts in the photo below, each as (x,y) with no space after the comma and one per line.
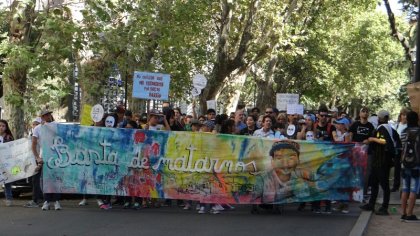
(411,181)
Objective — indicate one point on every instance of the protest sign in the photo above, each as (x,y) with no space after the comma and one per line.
(16,160)
(294,109)
(148,85)
(282,99)
(199,81)
(197,166)
(211,104)
(97,113)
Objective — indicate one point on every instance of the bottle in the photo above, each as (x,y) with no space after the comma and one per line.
(393,210)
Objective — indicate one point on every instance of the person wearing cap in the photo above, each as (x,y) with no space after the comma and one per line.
(35,123)
(207,127)
(341,134)
(47,118)
(156,118)
(382,147)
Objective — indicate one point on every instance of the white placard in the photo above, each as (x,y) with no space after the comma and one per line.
(195,92)
(17,160)
(282,99)
(199,81)
(211,104)
(294,109)
(97,113)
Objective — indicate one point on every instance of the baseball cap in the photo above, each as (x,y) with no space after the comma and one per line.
(382,114)
(334,109)
(38,120)
(155,112)
(44,112)
(343,121)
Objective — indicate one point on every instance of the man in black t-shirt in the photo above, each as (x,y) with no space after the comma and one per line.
(323,128)
(361,130)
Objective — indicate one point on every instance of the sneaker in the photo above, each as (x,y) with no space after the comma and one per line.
(197,207)
(126,205)
(31,204)
(218,207)
(100,202)
(411,219)
(403,217)
(136,206)
(45,206)
(345,210)
(104,207)
(382,211)
(83,202)
(230,207)
(187,206)
(317,210)
(9,203)
(327,211)
(367,207)
(202,210)
(57,206)
(215,212)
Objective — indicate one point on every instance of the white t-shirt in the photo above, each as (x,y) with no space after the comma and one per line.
(37,134)
(261,133)
(1,139)
(157,127)
(400,128)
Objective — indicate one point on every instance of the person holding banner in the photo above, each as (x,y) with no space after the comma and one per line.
(47,118)
(6,136)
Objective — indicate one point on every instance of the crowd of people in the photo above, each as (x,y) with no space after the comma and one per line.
(386,144)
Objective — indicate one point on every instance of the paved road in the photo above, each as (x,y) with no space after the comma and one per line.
(90,220)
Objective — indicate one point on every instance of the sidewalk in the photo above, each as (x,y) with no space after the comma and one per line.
(391,225)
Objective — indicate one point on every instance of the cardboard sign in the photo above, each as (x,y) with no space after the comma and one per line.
(282,99)
(148,85)
(294,109)
(211,104)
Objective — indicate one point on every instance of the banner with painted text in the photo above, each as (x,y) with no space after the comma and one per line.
(16,160)
(198,166)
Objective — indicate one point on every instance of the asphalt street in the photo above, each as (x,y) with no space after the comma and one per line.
(90,220)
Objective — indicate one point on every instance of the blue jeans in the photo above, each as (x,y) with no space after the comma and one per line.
(8,191)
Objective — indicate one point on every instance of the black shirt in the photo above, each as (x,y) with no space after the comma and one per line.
(325,133)
(361,131)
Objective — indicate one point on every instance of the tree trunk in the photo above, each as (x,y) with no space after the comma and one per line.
(15,88)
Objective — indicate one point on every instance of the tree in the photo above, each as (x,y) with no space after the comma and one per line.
(35,58)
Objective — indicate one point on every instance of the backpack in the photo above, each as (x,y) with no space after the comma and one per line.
(410,155)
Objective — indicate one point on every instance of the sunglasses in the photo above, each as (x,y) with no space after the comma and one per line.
(323,115)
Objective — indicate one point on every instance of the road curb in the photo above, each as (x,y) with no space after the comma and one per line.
(361,224)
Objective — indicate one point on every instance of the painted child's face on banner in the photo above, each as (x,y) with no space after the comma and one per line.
(109,121)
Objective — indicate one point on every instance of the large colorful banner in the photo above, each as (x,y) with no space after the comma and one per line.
(198,166)
(16,160)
